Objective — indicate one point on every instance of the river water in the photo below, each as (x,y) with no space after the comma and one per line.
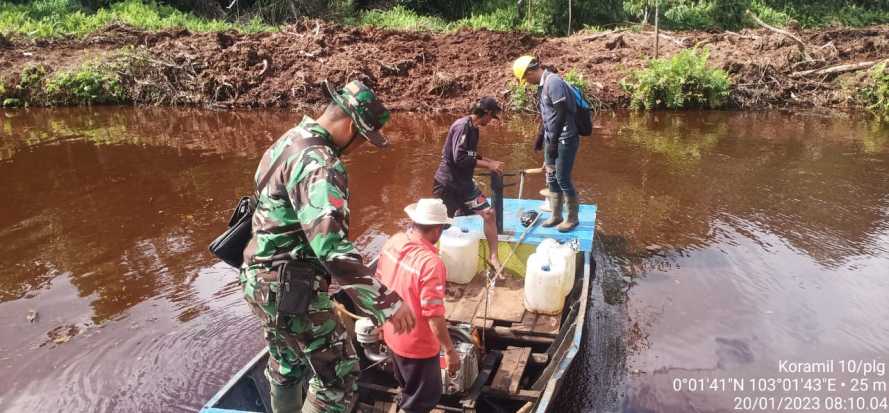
(733,241)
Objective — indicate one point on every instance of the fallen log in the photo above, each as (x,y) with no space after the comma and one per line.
(797,40)
(596,36)
(851,67)
(679,42)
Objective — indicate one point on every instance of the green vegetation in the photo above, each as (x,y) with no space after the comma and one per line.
(60,18)
(403,18)
(681,81)
(551,16)
(576,79)
(17,92)
(521,99)
(90,83)
(819,13)
(875,93)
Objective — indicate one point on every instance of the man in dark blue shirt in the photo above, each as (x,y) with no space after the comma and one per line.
(558,110)
(459,158)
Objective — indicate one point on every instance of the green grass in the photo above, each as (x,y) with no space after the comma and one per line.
(62,18)
(824,13)
(402,18)
(681,81)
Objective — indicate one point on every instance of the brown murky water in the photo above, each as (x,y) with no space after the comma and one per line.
(734,239)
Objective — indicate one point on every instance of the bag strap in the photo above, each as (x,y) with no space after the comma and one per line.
(298,144)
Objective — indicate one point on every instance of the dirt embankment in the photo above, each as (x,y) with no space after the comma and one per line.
(444,72)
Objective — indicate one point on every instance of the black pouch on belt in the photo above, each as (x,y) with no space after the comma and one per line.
(296,288)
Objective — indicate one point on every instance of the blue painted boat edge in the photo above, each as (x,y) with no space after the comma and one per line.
(584,233)
(209,407)
(553,384)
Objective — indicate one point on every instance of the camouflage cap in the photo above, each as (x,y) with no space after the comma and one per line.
(362,105)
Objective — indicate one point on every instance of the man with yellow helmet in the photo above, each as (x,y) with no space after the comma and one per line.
(561,140)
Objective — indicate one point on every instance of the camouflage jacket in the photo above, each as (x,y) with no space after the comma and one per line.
(303,212)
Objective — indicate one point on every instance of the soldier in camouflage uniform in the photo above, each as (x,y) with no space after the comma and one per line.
(302,215)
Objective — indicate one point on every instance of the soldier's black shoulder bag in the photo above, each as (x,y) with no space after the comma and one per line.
(229,247)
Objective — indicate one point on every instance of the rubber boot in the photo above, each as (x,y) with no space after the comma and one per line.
(555,201)
(571,222)
(286,399)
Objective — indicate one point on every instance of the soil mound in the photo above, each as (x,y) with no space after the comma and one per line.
(430,72)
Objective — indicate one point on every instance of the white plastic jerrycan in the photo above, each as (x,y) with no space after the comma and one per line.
(564,253)
(459,251)
(544,289)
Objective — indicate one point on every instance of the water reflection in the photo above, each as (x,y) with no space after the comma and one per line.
(734,228)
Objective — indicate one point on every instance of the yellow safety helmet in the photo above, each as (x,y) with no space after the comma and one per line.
(522,64)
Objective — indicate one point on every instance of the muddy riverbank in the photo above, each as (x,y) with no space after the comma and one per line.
(429,72)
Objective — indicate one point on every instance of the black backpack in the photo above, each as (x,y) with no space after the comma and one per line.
(584,116)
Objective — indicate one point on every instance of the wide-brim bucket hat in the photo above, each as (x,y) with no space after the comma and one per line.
(362,105)
(429,211)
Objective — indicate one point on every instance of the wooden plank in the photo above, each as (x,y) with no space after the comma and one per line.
(510,334)
(526,408)
(512,367)
(465,303)
(539,359)
(462,300)
(539,324)
(385,407)
(482,323)
(520,369)
(523,394)
(508,301)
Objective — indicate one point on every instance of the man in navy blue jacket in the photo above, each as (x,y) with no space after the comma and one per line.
(561,139)
(459,158)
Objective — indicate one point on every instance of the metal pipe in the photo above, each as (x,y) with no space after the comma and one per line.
(497,190)
(521,184)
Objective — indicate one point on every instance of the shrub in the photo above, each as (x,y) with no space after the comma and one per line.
(498,20)
(521,99)
(875,93)
(576,79)
(88,84)
(682,81)
(31,76)
(728,14)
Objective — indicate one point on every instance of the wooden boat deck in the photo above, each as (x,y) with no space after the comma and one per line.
(505,307)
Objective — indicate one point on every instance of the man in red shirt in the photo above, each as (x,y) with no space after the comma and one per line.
(409,265)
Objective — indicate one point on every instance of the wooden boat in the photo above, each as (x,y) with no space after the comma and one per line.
(525,356)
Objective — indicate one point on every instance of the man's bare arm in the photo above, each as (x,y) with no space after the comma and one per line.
(439,326)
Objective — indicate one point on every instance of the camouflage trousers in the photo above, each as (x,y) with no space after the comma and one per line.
(312,345)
